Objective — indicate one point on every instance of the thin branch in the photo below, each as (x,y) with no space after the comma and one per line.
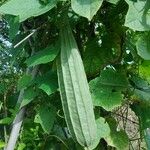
(125,118)
(136,139)
(26,38)
(15,130)
(20,116)
(18,120)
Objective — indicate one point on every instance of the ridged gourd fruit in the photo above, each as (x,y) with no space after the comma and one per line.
(74,90)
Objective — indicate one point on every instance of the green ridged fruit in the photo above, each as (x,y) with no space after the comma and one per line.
(74,89)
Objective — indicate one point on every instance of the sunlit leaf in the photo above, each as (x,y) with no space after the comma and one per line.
(138,15)
(46,117)
(141,89)
(142,111)
(29,95)
(143,46)
(144,70)
(14,25)
(2,144)
(48,83)
(86,8)
(24,8)
(43,56)
(24,81)
(106,89)
(94,57)
(6,120)
(103,131)
(118,139)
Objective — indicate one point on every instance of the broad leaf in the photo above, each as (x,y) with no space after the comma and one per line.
(139,83)
(46,117)
(14,25)
(2,144)
(48,83)
(143,94)
(86,8)
(94,57)
(103,131)
(143,46)
(105,97)
(43,56)
(112,78)
(6,120)
(142,110)
(141,89)
(118,139)
(26,8)
(24,81)
(144,70)
(138,15)
(21,146)
(29,95)
(143,113)
(106,89)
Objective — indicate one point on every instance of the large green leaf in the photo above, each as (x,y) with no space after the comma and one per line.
(103,131)
(144,70)
(26,8)
(21,146)
(118,139)
(24,81)
(14,25)
(143,46)
(48,83)
(139,83)
(94,57)
(46,117)
(43,56)
(142,110)
(141,89)
(105,97)
(86,8)
(2,144)
(113,78)
(106,89)
(143,94)
(29,95)
(6,120)
(138,15)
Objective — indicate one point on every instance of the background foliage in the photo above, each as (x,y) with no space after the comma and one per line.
(114,41)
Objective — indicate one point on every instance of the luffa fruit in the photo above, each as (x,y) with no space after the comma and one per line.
(74,90)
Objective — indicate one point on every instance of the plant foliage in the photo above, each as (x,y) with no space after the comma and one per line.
(69,68)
